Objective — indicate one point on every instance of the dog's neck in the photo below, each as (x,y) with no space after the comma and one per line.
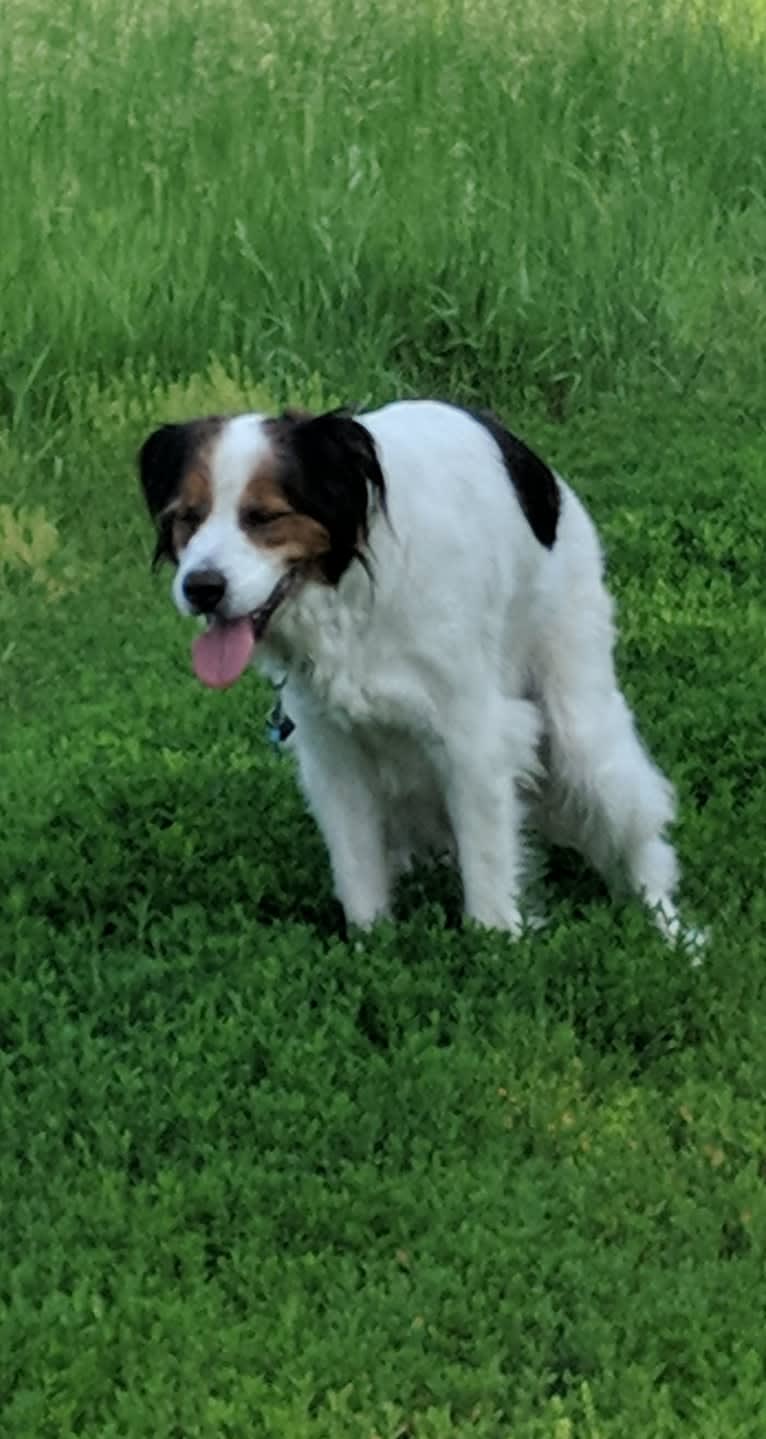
(319,625)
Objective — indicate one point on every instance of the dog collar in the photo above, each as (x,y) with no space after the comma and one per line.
(279,726)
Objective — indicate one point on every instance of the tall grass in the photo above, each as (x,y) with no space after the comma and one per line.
(561,200)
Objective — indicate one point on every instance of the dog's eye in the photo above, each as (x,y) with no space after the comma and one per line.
(253,518)
(190,518)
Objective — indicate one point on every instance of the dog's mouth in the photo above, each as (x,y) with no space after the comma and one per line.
(223,651)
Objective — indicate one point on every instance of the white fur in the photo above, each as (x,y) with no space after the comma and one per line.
(470,685)
(220,543)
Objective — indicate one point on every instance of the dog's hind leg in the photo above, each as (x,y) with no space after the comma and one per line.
(604,794)
(607,798)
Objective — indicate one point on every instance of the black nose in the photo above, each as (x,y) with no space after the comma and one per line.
(204,589)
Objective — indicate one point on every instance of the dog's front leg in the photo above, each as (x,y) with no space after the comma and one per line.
(486,811)
(339,785)
(487,826)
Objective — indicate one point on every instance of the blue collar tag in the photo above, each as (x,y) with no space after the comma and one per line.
(279,726)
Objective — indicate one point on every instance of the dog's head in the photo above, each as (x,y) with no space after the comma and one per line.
(249,509)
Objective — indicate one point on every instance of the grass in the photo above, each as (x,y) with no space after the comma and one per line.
(257,1180)
(564,202)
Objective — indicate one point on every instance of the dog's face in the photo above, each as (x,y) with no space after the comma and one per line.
(249,509)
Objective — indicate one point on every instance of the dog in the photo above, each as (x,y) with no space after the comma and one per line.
(431,595)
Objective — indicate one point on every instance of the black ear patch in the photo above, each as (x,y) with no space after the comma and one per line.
(331,469)
(162,463)
(535,484)
(162,460)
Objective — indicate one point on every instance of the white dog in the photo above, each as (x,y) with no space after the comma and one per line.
(433,595)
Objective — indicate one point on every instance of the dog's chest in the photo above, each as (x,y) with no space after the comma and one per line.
(366,676)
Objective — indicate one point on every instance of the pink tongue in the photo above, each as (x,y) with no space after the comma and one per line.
(220,654)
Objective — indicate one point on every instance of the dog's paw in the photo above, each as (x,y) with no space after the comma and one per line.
(690,939)
(694,941)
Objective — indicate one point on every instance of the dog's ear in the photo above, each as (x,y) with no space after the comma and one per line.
(337,471)
(161,464)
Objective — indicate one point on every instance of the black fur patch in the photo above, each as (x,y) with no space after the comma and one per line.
(162,463)
(329,466)
(535,484)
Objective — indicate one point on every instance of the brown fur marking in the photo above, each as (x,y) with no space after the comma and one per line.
(270,521)
(194,500)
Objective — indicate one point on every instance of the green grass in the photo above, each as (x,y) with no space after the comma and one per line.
(562,199)
(256,1180)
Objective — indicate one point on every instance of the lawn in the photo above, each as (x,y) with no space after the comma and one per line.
(256,1179)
